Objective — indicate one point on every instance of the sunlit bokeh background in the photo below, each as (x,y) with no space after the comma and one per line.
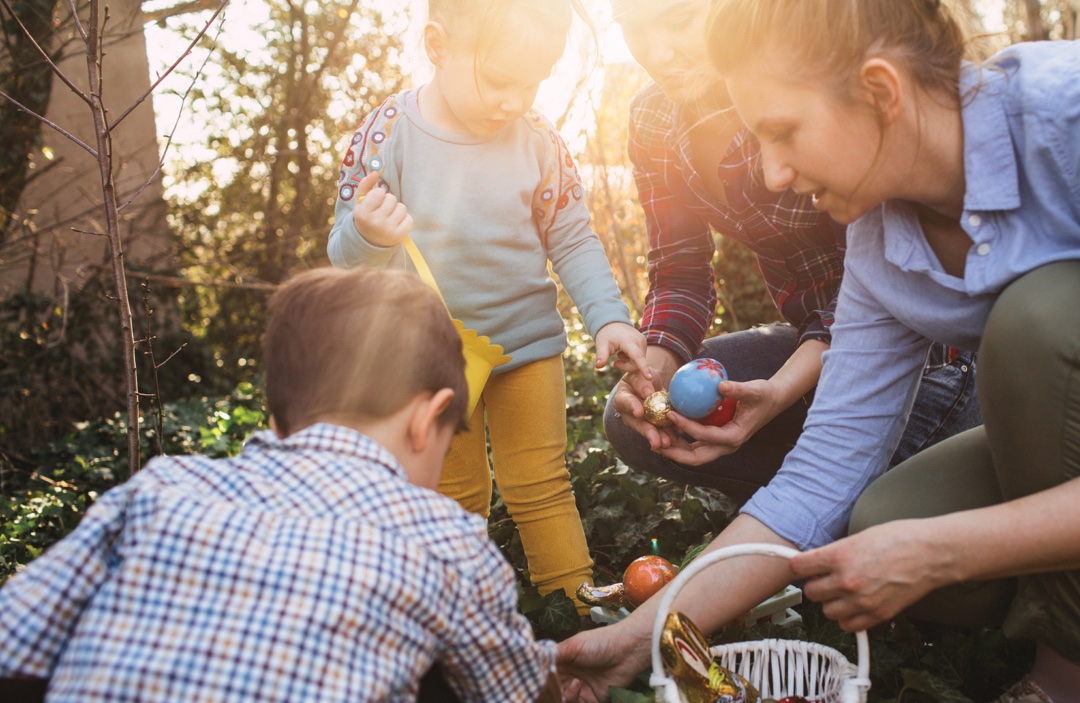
(581,70)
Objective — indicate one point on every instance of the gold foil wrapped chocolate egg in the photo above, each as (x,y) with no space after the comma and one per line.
(613,596)
(657,406)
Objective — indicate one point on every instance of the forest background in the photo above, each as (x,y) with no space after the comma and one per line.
(198,169)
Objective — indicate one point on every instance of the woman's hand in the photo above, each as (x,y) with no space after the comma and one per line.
(870,577)
(592,661)
(758,403)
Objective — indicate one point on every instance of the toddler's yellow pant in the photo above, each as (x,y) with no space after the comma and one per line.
(526,418)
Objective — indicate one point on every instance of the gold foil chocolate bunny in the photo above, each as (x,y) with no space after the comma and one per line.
(686,657)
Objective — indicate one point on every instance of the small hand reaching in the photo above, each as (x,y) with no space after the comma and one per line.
(378,215)
(621,338)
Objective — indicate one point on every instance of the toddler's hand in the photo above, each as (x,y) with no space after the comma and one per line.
(380,218)
(621,337)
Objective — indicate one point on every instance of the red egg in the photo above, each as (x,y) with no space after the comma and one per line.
(645,576)
(722,415)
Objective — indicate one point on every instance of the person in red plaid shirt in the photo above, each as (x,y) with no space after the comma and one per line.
(696,168)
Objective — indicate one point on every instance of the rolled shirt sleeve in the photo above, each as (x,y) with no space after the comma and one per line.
(867,387)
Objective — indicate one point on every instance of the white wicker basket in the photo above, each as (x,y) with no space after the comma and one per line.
(777,668)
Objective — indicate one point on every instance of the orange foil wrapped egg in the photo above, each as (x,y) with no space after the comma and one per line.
(645,576)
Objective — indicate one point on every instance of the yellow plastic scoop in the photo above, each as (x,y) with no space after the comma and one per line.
(481,355)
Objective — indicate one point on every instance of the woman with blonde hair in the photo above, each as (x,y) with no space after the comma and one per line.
(960,181)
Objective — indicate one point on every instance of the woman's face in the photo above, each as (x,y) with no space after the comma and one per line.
(812,142)
(668,40)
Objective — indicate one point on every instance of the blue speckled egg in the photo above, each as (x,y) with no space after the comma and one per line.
(693,388)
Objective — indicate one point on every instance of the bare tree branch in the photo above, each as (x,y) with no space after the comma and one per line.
(171,68)
(49,122)
(75,16)
(103,133)
(179,111)
(170,357)
(180,282)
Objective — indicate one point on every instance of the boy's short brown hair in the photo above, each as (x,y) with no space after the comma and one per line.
(358,343)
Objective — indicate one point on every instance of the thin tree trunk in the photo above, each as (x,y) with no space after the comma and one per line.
(1070,18)
(94,53)
(1036,28)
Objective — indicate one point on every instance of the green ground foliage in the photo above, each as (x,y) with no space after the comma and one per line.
(44,496)
(623,513)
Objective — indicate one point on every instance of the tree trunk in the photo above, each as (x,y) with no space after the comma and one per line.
(1036,30)
(26,77)
(58,201)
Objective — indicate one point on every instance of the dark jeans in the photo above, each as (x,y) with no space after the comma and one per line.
(946,404)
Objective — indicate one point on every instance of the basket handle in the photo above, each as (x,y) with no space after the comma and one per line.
(658,679)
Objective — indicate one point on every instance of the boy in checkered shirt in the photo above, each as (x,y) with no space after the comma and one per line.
(319,564)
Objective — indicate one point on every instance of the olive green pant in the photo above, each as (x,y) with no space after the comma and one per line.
(1029,390)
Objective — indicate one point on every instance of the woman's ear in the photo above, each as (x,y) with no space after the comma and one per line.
(884,86)
(435,42)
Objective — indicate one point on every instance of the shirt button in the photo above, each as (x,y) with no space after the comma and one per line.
(974,220)
(983,249)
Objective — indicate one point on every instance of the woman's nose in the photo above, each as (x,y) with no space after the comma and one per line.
(779,176)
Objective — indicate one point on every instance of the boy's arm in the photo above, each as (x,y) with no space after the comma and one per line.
(42,603)
(490,653)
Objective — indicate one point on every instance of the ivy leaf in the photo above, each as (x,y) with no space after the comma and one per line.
(559,616)
(529,601)
(588,467)
(926,682)
(692,513)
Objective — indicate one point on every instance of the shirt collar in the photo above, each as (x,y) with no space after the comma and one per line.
(326,437)
(990,169)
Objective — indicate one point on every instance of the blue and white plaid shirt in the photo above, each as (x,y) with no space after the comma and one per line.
(305,569)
